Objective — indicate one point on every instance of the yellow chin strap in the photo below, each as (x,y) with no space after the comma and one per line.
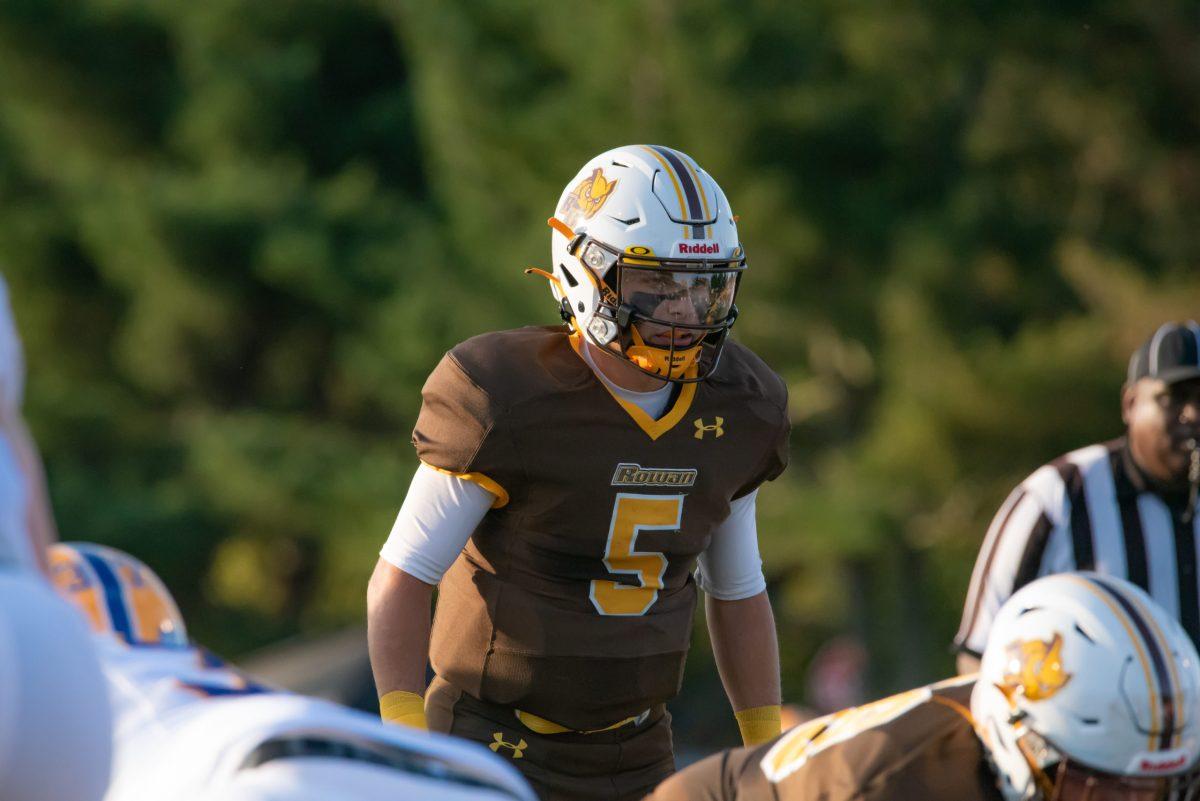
(659,360)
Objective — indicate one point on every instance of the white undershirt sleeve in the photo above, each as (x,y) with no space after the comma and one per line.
(731,569)
(435,521)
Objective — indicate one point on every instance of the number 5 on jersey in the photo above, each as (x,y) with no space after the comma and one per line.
(631,515)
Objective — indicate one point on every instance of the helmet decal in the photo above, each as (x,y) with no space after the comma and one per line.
(1035,667)
(587,198)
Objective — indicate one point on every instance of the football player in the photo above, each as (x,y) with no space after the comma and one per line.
(190,727)
(55,725)
(572,480)
(1088,691)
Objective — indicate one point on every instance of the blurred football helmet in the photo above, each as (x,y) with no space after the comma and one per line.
(118,594)
(647,261)
(1088,689)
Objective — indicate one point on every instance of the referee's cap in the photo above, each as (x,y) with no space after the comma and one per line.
(1171,355)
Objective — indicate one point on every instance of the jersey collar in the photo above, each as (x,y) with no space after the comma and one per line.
(653,428)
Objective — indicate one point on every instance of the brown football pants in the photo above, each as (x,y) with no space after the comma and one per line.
(624,764)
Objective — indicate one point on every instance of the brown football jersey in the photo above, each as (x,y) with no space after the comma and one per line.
(916,745)
(573,600)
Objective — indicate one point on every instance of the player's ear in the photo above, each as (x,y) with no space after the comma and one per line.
(1128,399)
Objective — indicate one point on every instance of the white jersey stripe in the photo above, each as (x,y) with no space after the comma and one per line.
(1160,552)
(1108,540)
(994,588)
(983,564)
(1127,528)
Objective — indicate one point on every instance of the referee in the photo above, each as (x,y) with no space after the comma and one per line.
(1126,507)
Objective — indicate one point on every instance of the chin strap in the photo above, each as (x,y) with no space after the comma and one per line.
(665,362)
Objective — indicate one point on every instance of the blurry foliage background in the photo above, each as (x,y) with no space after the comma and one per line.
(239,234)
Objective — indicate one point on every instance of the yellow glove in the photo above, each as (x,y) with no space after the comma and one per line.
(759,724)
(404,708)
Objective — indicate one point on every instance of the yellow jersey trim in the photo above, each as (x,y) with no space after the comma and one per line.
(540,725)
(653,428)
(480,479)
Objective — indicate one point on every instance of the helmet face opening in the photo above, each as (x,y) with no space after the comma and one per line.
(666,314)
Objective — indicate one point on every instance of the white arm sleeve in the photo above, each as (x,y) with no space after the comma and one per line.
(731,568)
(436,520)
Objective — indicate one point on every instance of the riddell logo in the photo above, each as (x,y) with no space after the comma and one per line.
(699,249)
(1151,766)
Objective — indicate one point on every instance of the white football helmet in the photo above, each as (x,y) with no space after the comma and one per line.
(1088,689)
(647,260)
(118,594)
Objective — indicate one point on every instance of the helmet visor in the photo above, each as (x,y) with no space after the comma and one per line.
(678,297)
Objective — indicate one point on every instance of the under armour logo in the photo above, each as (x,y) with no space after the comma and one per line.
(518,750)
(716,428)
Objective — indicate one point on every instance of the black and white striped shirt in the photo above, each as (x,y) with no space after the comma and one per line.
(1091,509)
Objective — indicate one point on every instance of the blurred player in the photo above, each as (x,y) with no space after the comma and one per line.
(1088,691)
(190,727)
(55,727)
(1126,508)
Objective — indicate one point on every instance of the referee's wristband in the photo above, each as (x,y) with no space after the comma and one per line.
(404,708)
(759,724)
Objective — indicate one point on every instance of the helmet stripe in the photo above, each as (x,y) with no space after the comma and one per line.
(1123,619)
(694,211)
(113,597)
(1181,704)
(1157,657)
(674,180)
(693,169)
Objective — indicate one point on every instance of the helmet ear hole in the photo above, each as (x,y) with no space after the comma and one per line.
(572,280)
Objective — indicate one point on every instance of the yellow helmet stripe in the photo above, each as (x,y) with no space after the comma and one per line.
(73,576)
(1180,704)
(1137,645)
(690,193)
(674,182)
(692,168)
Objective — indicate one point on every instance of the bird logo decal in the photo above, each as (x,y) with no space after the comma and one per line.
(587,198)
(1035,668)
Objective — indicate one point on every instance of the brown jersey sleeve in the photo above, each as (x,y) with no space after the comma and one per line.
(711,779)
(775,454)
(460,428)
(920,745)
